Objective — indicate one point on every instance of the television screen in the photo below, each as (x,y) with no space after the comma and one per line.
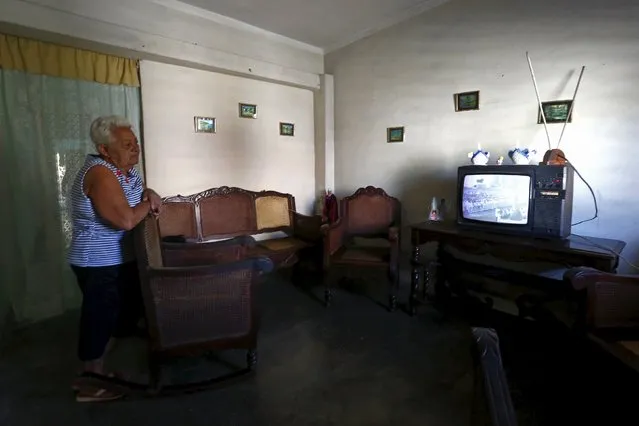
(496,198)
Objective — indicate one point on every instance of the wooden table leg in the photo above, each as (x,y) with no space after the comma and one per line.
(426,281)
(442,294)
(414,284)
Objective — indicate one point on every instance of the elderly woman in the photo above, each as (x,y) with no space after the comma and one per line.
(108,200)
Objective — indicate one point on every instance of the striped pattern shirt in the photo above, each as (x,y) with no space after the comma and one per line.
(95,242)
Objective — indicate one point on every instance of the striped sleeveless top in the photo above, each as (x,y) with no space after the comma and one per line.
(94,242)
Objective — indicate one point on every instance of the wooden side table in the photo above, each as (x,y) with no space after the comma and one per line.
(567,253)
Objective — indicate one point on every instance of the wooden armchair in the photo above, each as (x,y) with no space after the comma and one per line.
(609,311)
(368,213)
(611,300)
(194,309)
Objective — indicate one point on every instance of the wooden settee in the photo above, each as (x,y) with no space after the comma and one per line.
(281,233)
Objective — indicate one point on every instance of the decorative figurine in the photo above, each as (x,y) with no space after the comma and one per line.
(434,210)
(500,160)
(521,156)
(479,157)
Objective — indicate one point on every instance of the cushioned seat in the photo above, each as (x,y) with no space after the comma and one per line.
(283,251)
(362,254)
(283,244)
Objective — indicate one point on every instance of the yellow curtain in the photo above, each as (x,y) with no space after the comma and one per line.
(37,57)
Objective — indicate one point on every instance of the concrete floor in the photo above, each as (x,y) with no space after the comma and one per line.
(353,364)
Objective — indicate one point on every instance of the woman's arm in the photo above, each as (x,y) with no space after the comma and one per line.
(107,196)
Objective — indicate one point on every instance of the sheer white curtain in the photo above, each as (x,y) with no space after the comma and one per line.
(44,138)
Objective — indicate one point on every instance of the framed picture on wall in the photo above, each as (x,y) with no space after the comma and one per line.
(395,134)
(205,125)
(467,101)
(287,129)
(248,110)
(555,112)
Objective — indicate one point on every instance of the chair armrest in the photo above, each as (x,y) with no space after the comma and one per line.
(583,278)
(217,252)
(492,402)
(333,239)
(259,264)
(307,228)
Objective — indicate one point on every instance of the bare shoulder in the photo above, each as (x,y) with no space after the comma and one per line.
(99,176)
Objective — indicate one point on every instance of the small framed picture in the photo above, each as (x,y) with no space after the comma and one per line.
(205,125)
(555,112)
(467,101)
(287,129)
(248,111)
(395,134)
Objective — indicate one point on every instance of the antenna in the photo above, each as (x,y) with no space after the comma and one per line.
(541,109)
(572,105)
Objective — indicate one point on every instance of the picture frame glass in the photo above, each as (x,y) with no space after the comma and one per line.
(205,125)
(287,129)
(395,134)
(468,101)
(555,112)
(248,111)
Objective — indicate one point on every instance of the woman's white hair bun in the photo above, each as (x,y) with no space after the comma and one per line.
(102,126)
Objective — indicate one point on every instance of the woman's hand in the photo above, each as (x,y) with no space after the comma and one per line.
(154,199)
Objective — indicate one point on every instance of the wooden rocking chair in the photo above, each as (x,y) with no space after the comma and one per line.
(192,310)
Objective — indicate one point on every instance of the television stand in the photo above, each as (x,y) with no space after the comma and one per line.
(514,253)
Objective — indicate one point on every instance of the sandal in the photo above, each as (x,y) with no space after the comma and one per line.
(97,395)
(76,385)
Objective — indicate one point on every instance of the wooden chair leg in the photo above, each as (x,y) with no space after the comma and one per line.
(394,290)
(328,297)
(155,374)
(328,290)
(296,274)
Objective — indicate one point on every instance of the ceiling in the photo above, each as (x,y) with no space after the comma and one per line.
(327,24)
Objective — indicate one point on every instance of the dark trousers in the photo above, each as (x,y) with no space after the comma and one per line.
(111,306)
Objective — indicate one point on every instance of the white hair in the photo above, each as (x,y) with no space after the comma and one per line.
(102,127)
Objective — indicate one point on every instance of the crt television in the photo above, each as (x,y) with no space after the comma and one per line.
(527,200)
